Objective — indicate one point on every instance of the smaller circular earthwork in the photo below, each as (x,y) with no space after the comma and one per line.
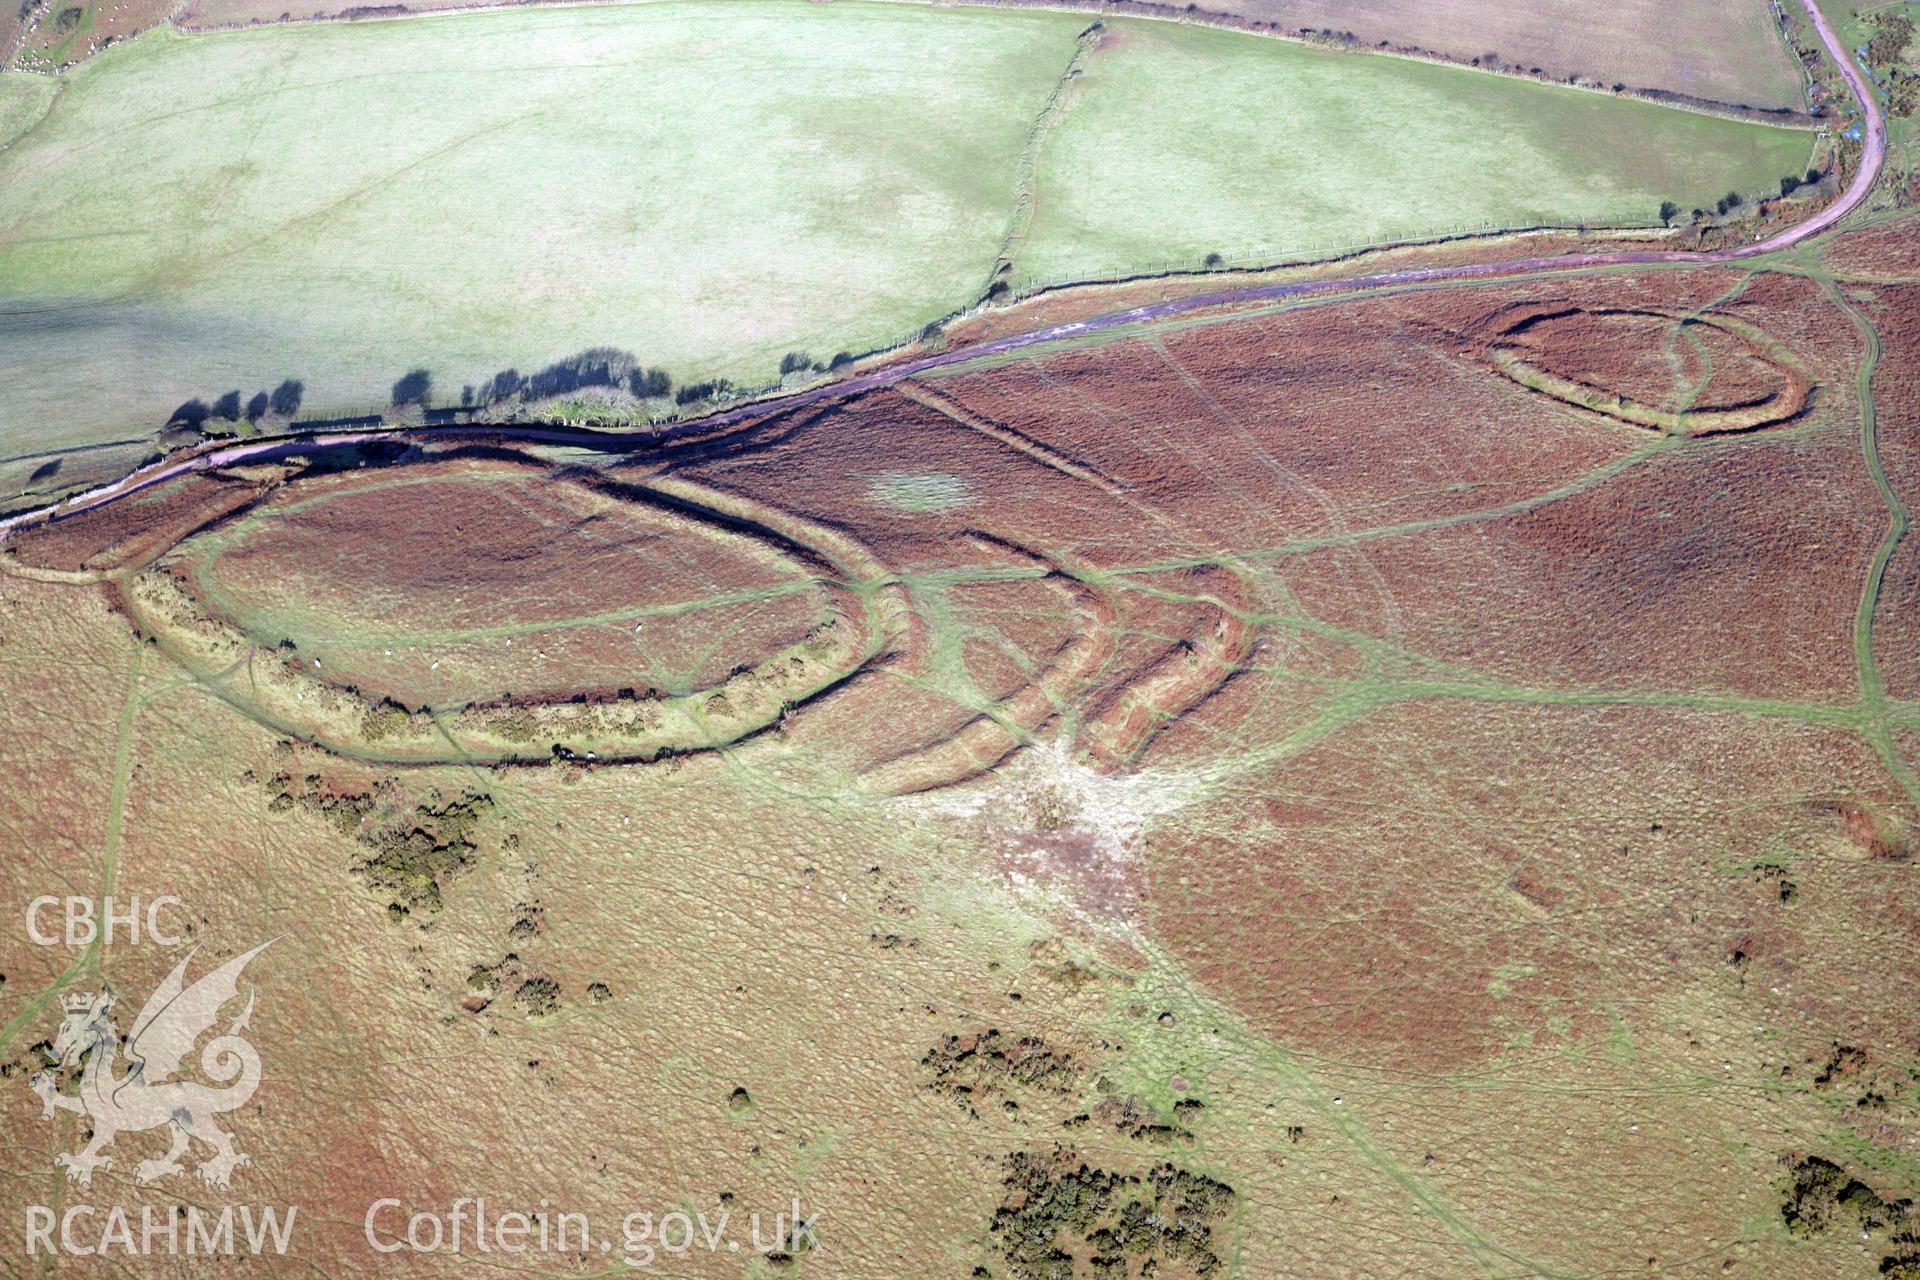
(1676,372)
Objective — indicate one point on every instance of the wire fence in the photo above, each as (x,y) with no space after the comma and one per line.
(1241,258)
(1322,250)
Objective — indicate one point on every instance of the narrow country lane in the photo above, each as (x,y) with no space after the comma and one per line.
(1872,156)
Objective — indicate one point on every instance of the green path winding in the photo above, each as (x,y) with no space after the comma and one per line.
(1873,694)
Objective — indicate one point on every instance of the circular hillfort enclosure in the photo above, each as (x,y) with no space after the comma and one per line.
(462,585)
(491,610)
(1669,371)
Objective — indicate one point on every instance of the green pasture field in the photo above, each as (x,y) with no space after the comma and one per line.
(23,100)
(711,185)
(1182,141)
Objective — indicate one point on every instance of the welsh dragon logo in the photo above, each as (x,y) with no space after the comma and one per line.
(145,1096)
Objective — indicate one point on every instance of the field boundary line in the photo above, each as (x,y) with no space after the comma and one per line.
(1026,182)
(1013,438)
(1139,10)
(1872,157)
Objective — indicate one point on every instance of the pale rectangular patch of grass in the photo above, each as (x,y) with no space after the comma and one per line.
(1720,50)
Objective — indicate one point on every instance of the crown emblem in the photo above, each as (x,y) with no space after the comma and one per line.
(80,1002)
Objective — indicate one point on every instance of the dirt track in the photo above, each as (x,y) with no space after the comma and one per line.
(1873,153)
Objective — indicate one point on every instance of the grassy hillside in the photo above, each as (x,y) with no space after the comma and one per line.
(1178,141)
(23,100)
(708,185)
(1727,51)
